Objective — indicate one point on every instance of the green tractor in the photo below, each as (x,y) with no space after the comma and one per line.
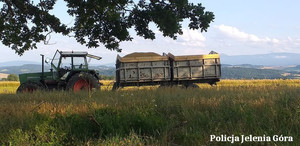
(69,71)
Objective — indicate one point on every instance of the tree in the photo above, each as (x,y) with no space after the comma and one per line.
(24,23)
(12,77)
(4,79)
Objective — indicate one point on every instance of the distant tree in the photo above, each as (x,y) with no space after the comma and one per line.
(23,23)
(12,77)
(103,77)
(4,79)
(251,73)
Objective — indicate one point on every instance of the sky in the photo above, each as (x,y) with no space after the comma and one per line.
(240,28)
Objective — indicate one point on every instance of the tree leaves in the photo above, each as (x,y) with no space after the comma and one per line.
(23,24)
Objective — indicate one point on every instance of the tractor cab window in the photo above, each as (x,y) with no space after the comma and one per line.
(73,62)
(66,63)
(79,63)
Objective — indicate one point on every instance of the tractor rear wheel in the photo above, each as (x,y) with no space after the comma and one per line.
(29,87)
(83,81)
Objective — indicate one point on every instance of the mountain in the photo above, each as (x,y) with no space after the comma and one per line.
(243,66)
(293,69)
(252,73)
(27,68)
(272,59)
(17,63)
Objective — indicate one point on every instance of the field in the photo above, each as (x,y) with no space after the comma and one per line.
(153,116)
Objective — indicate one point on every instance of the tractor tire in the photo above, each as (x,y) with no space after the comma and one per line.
(83,81)
(29,87)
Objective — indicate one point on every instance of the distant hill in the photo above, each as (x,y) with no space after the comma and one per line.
(17,63)
(273,59)
(251,73)
(105,70)
(244,66)
(27,68)
(293,69)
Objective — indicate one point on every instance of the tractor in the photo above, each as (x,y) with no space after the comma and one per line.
(69,71)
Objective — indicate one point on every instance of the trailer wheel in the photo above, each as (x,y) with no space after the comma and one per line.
(162,86)
(194,86)
(82,81)
(115,86)
(29,87)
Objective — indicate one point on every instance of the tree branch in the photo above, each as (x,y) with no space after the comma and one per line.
(46,41)
(9,7)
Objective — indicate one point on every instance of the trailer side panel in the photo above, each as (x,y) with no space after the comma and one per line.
(187,68)
(144,71)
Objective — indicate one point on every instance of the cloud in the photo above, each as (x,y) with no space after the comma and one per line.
(280,57)
(235,33)
(233,41)
(191,38)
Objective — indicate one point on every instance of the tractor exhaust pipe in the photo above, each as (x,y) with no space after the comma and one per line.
(42,78)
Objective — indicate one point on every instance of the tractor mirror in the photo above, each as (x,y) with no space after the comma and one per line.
(47,60)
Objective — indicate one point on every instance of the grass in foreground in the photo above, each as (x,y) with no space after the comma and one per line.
(154,116)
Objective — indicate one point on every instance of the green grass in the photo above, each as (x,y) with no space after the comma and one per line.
(163,116)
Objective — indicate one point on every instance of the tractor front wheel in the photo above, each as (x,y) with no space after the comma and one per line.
(29,87)
(83,81)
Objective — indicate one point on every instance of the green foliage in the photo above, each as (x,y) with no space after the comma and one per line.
(12,77)
(103,77)
(251,73)
(4,79)
(15,17)
(25,23)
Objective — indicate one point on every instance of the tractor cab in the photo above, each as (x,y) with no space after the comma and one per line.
(65,61)
(69,70)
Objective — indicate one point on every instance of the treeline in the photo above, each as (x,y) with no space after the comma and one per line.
(251,73)
(11,77)
(104,77)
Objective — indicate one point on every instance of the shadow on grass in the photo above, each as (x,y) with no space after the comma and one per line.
(71,129)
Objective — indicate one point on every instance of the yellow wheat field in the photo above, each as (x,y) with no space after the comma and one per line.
(107,84)
(7,87)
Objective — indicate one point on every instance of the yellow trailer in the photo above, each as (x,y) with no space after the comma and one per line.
(138,69)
